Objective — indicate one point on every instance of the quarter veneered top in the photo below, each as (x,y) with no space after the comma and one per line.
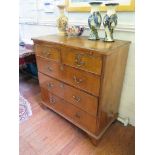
(99,46)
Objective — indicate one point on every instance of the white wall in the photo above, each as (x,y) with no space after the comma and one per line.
(45,23)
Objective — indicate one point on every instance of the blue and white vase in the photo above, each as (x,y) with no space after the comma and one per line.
(110,21)
(94,20)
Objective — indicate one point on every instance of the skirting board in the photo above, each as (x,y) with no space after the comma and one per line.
(125,121)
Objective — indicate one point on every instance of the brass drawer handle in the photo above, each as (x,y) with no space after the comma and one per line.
(61,85)
(43,52)
(78,60)
(77,80)
(52,100)
(50,85)
(78,115)
(46,53)
(61,67)
(77,98)
(49,69)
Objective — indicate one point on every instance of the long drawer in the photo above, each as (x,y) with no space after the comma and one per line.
(78,78)
(84,60)
(79,98)
(69,110)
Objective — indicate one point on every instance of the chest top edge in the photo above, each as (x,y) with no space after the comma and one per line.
(82,43)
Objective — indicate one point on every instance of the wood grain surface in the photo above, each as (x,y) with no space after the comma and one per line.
(46,133)
(99,46)
(50,52)
(78,78)
(88,61)
(94,67)
(72,95)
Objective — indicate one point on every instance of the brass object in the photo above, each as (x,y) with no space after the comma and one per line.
(77,80)
(52,99)
(61,85)
(77,98)
(49,69)
(77,115)
(46,53)
(50,85)
(61,67)
(78,60)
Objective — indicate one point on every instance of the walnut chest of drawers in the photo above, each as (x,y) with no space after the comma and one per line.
(81,80)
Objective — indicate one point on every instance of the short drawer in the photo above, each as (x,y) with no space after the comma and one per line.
(83,60)
(48,67)
(79,98)
(78,78)
(72,112)
(47,51)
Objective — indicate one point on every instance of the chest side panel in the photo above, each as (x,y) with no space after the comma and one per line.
(111,86)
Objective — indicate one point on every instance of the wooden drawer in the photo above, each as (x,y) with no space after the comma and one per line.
(48,67)
(83,79)
(69,110)
(79,98)
(78,78)
(84,60)
(47,51)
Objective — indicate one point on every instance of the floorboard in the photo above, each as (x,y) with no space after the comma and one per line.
(47,133)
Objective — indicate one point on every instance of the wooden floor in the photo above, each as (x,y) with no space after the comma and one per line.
(46,133)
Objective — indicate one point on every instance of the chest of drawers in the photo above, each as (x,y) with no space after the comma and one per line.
(81,80)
